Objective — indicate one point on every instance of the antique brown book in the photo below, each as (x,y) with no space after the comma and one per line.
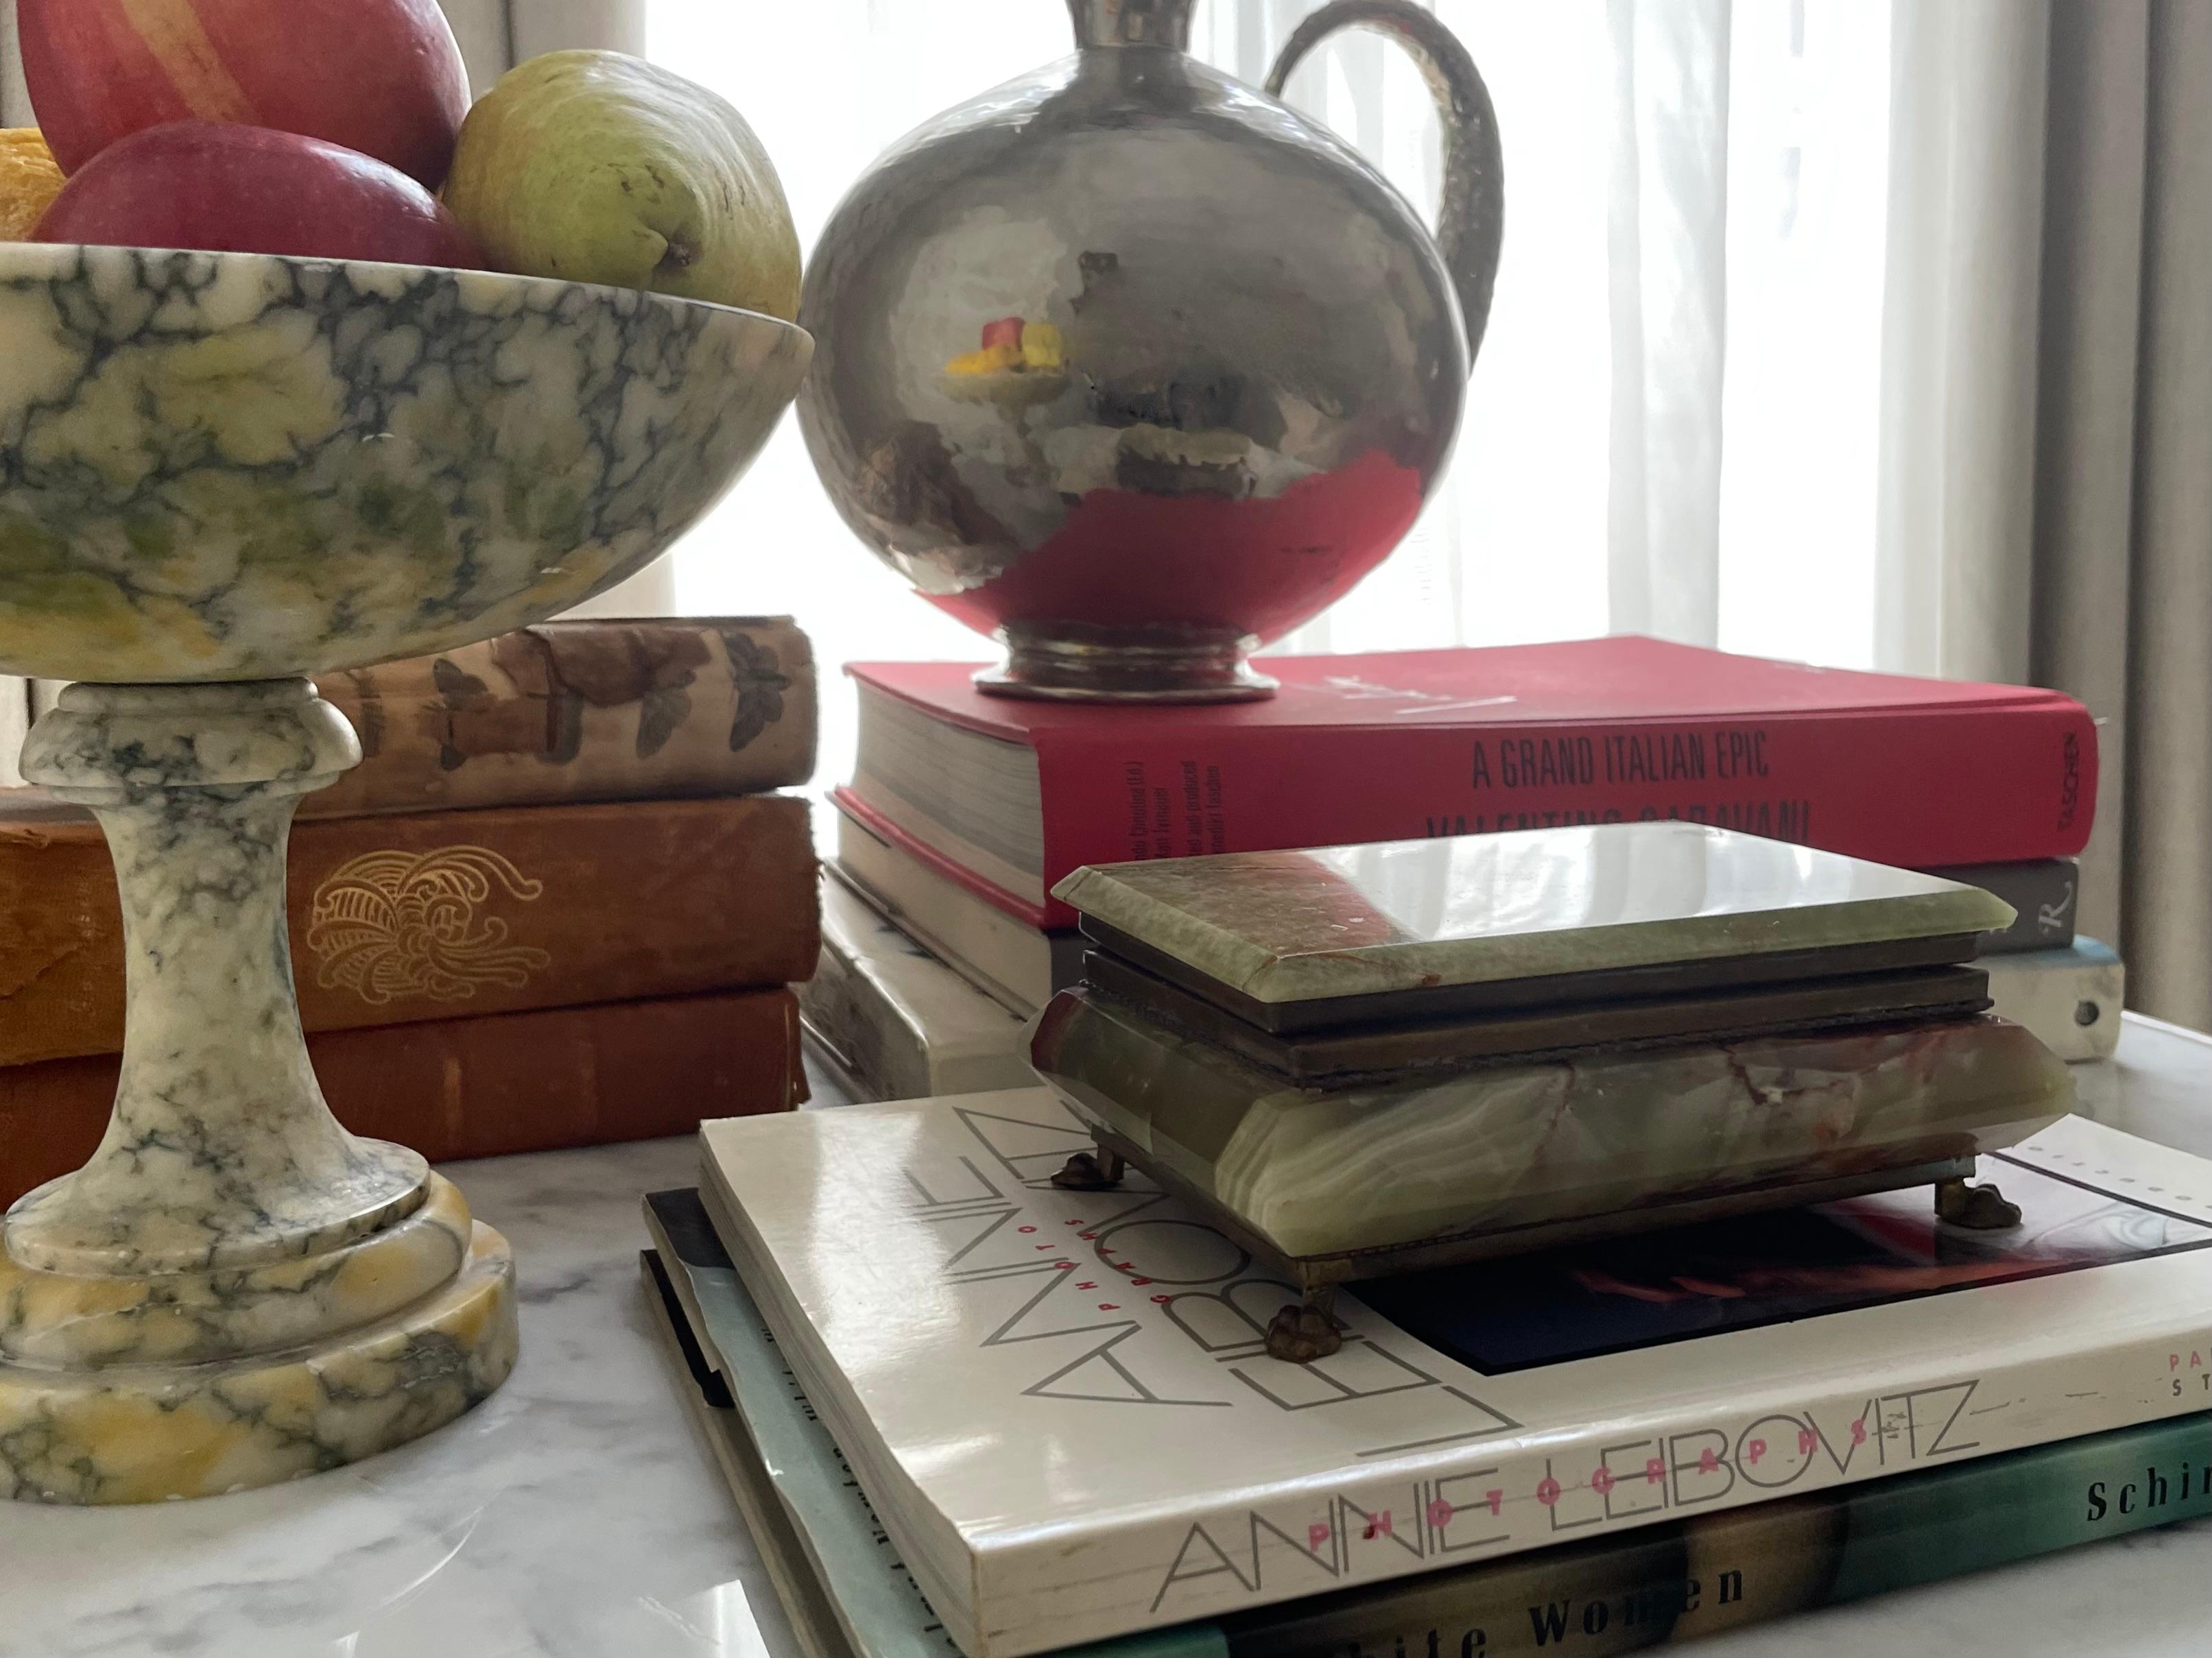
(574,711)
(476,1087)
(430,915)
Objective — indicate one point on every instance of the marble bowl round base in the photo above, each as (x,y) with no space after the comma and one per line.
(220,474)
(405,1330)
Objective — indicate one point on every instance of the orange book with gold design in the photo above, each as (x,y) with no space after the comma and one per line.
(435,916)
(476,1088)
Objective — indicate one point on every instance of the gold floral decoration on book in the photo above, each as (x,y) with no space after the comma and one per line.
(389,925)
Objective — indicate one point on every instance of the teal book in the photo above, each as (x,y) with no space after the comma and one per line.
(843,1581)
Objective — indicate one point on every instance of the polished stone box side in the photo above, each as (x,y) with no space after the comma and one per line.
(1317,1172)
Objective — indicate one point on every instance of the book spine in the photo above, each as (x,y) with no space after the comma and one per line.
(860,809)
(1918,788)
(476,1087)
(1005,958)
(2043,895)
(1702,1576)
(431,915)
(580,711)
(874,1050)
(1617,1475)
(899,1024)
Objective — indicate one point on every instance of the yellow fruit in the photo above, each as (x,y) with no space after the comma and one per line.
(29,180)
(990,360)
(1041,347)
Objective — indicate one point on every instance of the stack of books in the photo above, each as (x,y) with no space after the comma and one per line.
(1453,1241)
(965,810)
(963,1407)
(473,977)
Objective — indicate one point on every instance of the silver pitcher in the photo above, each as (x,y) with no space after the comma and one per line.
(1137,368)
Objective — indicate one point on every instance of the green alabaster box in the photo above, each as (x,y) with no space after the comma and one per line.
(1471,924)
(1366,1060)
(1500,1159)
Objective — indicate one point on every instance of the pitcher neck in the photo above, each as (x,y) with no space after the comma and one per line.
(1132,22)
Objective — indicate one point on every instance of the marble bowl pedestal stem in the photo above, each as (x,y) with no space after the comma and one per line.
(234,1290)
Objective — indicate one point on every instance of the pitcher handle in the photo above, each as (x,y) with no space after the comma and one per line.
(1471,218)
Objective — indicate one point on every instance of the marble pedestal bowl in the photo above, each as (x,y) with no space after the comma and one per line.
(221,474)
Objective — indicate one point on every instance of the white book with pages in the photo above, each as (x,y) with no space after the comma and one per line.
(1059,1403)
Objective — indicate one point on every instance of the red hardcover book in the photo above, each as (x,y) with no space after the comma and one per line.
(1904,771)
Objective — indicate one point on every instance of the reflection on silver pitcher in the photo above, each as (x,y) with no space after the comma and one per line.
(1137,367)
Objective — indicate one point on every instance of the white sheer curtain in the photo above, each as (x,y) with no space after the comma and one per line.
(1673,424)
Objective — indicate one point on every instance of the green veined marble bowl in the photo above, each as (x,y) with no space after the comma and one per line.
(237,466)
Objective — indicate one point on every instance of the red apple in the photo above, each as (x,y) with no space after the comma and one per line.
(381,76)
(248,189)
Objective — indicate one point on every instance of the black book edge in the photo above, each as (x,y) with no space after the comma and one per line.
(804,1602)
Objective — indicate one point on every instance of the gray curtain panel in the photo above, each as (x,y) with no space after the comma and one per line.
(15,102)
(1956,414)
(2122,532)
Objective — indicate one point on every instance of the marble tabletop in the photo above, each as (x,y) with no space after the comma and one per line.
(576,1515)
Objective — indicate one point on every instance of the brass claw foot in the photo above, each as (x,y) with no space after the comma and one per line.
(1303,1330)
(1089,1171)
(1976,1208)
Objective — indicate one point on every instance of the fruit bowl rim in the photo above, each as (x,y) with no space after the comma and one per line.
(9,251)
(771,347)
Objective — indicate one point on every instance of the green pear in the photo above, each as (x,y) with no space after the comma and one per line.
(593,166)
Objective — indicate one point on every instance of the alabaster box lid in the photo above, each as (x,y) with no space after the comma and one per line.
(1482,910)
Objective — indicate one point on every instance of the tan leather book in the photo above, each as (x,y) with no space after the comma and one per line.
(431,915)
(575,710)
(476,1088)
